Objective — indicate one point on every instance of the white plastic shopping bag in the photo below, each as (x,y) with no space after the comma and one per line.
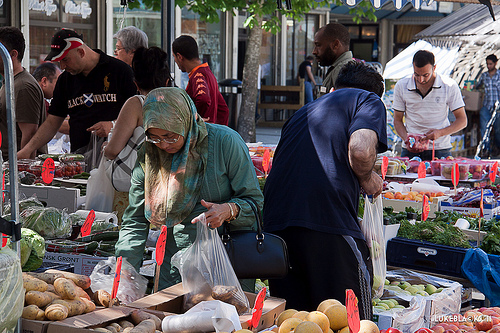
(100,191)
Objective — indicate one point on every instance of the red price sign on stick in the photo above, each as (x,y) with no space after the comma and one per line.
(265,161)
(425,208)
(385,164)
(493,172)
(87,225)
(160,245)
(4,240)
(455,175)
(351,302)
(421,170)
(481,205)
(48,168)
(257,308)
(116,282)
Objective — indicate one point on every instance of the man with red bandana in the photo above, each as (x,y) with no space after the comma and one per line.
(202,86)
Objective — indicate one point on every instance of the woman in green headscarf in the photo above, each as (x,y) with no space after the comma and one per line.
(185,167)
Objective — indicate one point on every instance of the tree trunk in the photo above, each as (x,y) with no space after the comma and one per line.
(246,122)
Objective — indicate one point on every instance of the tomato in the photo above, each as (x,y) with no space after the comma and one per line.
(393,330)
(424,330)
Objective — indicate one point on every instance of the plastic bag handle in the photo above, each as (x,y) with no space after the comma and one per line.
(256,210)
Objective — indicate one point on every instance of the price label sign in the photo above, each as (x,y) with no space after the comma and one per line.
(265,161)
(493,172)
(385,164)
(455,174)
(160,245)
(421,170)
(87,225)
(351,302)
(257,308)
(4,240)
(48,168)
(116,281)
(425,208)
(481,205)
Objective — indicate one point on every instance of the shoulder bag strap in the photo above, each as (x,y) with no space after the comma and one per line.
(256,210)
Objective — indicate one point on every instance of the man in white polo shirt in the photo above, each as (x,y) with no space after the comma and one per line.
(425,99)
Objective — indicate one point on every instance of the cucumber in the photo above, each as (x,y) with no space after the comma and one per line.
(43,157)
(101,236)
(71,157)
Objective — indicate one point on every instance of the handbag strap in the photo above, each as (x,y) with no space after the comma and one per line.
(256,210)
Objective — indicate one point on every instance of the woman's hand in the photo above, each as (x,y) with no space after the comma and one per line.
(215,215)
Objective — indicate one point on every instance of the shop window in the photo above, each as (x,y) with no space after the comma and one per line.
(48,16)
(147,20)
(300,44)
(364,43)
(4,12)
(209,39)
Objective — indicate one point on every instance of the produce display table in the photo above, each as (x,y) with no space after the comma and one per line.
(410,177)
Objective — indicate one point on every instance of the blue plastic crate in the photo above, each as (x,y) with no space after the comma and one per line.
(425,256)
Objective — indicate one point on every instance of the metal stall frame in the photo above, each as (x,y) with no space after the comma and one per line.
(12,227)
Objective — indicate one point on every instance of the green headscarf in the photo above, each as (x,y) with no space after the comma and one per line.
(173,181)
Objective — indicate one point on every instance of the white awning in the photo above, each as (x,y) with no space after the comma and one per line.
(397,3)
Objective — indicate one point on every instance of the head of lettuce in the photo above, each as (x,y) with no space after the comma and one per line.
(32,250)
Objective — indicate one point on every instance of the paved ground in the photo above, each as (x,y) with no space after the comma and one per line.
(268,135)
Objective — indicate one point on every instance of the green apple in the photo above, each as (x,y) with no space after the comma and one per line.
(387,282)
(412,290)
(422,293)
(438,290)
(404,284)
(375,249)
(430,289)
(388,302)
(395,302)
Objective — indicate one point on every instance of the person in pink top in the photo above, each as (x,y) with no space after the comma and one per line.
(202,86)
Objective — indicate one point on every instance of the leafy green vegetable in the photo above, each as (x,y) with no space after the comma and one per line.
(49,222)
(32,249)
(437,232)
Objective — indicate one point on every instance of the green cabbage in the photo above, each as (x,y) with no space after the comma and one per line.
(32,249)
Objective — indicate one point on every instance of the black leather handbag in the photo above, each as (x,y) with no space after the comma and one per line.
(256,255)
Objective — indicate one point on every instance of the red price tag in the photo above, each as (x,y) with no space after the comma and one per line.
(385,164)
(425,208)
(421,170)
(4,240)
(493,172)
(118,273)
(455,174)
(48,168)
(87,225)
(351,302)
(481,205)
(160,245)
(265,160)
(257,308)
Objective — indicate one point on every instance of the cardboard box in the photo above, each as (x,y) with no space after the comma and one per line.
(473,100)
(489,210)
(82,263)
(99,318)
(390,231)
(34,326)
(400,205)
(170,300)
(58,197)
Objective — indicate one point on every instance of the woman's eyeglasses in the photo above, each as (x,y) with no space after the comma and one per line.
(166,140)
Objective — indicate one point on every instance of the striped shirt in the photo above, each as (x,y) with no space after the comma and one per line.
(431,111)
(491,88)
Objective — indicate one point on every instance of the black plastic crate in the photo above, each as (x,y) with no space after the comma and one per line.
(65,267)
(425,256)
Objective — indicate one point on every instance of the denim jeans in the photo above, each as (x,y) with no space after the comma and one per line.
(426,155)
(484,117)
(308,89)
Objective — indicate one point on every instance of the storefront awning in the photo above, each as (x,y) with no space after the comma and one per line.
(401,65)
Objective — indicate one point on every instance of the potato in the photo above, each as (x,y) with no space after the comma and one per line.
(30,312)
(50,287)
(112,329)
(127,329)
(64,302)
(31,283)
(82,293)
(81,281)
(77,305)
(40,315)
(102,329)
(145,326)
(47,277)
(89,305)
(56,312)
(125,323)
(65,288)
(116,326)
(139,316)
(228,294)
(102,297)
(37,298)
(52,294)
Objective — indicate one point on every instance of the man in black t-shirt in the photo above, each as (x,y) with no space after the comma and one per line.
(305,72)
(325,155)
(91,91)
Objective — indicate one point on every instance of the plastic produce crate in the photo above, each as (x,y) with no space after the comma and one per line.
(425,256)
